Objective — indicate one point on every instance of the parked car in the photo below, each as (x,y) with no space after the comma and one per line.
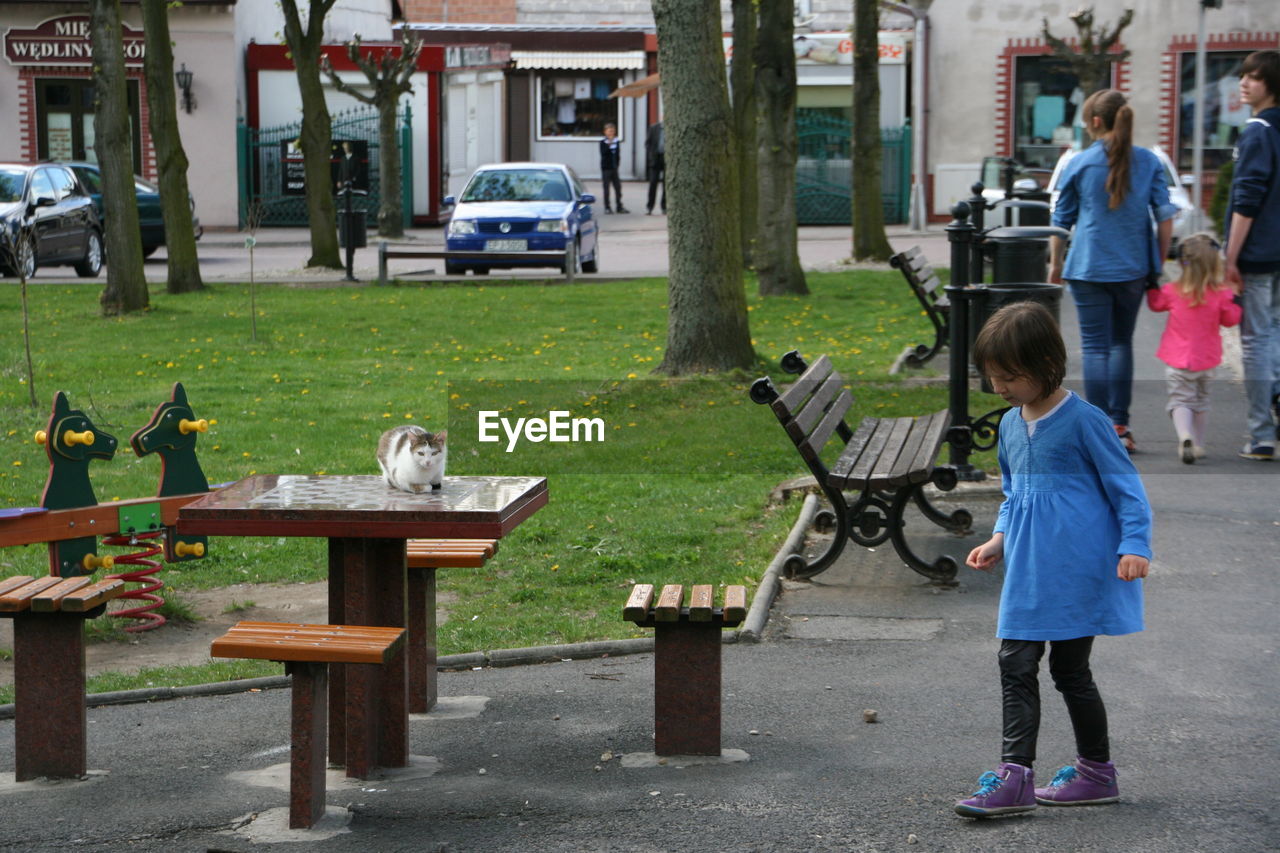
(1186,221)
(150,216)
(523,207)
(47,219)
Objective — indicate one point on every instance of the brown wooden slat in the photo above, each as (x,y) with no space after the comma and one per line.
(932,286)
(935,435)
(314,643)
(735,603)
(637,607)
(812,446)
(9,584)
(852,452)
(668,607)
(309,630)
(20,598)
(812,412)
(91,596)
(792,397)
(701,600)
(861,472)
(902,468)
(898,432)
(49,600)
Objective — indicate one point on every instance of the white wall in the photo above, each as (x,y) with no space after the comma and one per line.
(474,124)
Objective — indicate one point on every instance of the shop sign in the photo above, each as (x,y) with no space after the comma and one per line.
(837,48)
(64,41)
(476,55)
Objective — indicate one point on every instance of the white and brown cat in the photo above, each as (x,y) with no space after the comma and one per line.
(412,458)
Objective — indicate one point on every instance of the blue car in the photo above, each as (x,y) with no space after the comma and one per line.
(523,207)
(150,216)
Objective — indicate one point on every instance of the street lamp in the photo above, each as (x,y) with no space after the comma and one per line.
(184,78)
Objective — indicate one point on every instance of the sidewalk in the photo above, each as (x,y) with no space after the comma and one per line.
(529,758)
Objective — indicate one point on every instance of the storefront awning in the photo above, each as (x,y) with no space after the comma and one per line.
(638,89)
(579,60)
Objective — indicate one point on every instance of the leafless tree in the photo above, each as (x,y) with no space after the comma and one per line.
(1091,62)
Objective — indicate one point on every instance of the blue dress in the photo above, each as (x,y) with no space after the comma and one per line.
(1074,503)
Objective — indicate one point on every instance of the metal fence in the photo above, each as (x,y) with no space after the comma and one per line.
(824,171)
(269,166)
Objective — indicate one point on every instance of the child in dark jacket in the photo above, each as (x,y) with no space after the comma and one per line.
(610,160)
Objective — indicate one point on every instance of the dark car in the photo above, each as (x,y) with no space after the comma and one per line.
(150,216)
(47,219)
(523,207)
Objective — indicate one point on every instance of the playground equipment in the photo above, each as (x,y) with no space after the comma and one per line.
(71,520)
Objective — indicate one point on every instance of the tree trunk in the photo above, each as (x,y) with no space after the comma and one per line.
(742,71)
(391,210)
(777,255)
(171,159)
(707,314)
(869,240)
(316,139)
(126,288)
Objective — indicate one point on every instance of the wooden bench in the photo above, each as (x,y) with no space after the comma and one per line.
(924,283)
(387,252)
(686,661)
(424,557)
(49,673)
(886,461)
(307,651)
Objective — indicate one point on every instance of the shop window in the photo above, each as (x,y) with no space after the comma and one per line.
(573,105)
(1046,105)
(64,120)
(1224,113)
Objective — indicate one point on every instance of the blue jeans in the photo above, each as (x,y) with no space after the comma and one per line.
(1260,345)
(1108,311)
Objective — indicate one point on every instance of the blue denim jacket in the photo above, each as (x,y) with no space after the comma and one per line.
(1112,245)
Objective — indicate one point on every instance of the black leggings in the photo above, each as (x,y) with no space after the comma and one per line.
(1020,686)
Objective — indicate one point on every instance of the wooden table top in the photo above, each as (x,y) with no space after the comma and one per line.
(363,506)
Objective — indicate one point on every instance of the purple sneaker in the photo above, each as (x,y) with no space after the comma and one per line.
(1085,783)
(1007,789)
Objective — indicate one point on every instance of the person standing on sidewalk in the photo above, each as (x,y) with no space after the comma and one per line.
(1253,249)
(1199,304)
(1110,191)
(610,160)
(1075,535)
(655,151)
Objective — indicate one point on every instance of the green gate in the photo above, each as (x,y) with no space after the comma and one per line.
(824,173)
(265,168)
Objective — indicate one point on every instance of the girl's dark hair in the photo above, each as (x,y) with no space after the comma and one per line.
(1023,339)
(1265,66)
(1117,119)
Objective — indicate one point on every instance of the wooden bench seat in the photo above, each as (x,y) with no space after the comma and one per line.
(886,461)
(424,556)
(928,289)
(307,651)
(686,661)
(49,671)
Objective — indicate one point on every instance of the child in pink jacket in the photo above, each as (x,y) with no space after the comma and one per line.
(1198,304)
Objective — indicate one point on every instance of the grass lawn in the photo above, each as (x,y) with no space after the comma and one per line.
(675,492)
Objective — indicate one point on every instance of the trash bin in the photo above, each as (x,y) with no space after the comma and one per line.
(1034,207)
(352,227)
(1020,253)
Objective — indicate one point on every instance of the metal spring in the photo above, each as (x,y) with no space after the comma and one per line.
(144,612)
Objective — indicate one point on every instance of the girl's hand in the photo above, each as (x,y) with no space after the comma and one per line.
(985,556)
(1132,567)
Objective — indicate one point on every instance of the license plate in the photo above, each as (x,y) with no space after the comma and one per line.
(506,246)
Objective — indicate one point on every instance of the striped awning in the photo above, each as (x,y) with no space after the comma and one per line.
(579,60)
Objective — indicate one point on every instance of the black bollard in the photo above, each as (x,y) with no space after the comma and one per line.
(960,233)
(977,215)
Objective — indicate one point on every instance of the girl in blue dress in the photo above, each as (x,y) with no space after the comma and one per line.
(1075,534)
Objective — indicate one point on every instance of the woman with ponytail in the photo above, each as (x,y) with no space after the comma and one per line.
(1110,192)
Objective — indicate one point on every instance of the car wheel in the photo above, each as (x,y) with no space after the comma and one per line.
(593,265)
(572,257)
(91,265)
(480,270)
(450,268)
(25,267)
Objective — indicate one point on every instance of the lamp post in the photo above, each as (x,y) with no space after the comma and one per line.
(184,78)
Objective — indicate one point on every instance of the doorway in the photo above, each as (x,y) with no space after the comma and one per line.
(64,120)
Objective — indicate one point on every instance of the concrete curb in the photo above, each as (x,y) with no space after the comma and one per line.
(749,632)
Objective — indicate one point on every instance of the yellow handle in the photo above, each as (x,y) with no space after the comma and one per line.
(93,561)
(41,436)
(71,437)
(182,549)
(186,427)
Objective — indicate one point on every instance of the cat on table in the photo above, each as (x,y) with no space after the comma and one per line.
(412,458)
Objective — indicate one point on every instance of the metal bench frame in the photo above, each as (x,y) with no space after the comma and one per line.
(928,289)
(888,465)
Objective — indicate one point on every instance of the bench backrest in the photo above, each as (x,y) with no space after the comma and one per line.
(920,276)
(813,409)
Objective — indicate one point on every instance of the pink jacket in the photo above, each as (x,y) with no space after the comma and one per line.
(1191,340)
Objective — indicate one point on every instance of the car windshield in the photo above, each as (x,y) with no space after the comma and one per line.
(11,181)
(517,185)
